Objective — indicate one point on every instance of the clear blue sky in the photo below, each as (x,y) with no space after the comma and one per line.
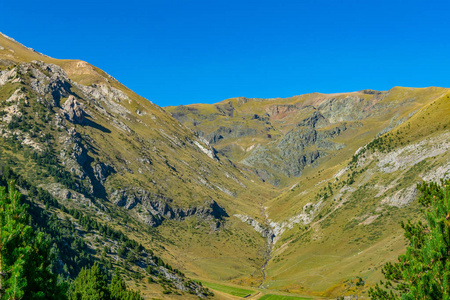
(181,52)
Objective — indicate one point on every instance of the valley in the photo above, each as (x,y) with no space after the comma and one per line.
(265,198)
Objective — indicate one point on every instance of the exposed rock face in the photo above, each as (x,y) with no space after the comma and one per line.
(73,154)
(219,134)
(410,155)
(307,215)
(226,109)
(48,81)
(279,111)
(264,231)
(208,150)
(297,140)
(402,197)
(298,148)
(350,108)
(76,158)
(62,193)
(102,171)
(107,99)
(235,132)
(73,110)
(17,97)
(316,120)
(7,76)
(157,208)
(182,284)
(51,87)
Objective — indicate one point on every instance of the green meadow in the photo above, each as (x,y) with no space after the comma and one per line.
(227,289)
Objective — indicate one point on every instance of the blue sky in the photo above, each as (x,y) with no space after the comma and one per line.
(181,52)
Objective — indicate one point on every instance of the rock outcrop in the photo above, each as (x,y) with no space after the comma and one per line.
(158,208)
(226,109)
(74,110)
(102,171)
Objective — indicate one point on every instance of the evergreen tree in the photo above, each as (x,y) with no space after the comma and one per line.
(117,287)
(24,254)
(119,290)
(424,271)
(90,284)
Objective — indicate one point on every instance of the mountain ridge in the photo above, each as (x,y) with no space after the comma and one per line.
(106,151)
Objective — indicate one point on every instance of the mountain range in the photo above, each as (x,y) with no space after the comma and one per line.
(300,196)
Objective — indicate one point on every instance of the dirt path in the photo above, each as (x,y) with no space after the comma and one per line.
(255,296)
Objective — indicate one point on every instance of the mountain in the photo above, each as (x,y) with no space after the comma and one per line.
(266,135)
(97,147)
(346,166)
(300,195)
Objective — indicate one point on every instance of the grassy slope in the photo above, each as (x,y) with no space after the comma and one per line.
(338,247)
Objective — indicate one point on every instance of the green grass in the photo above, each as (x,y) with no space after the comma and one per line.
(280,297)
(227,289)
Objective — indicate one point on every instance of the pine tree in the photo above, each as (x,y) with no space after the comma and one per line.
(117,287)
(24,254)
(90,284)
(119,290)
(424,271)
